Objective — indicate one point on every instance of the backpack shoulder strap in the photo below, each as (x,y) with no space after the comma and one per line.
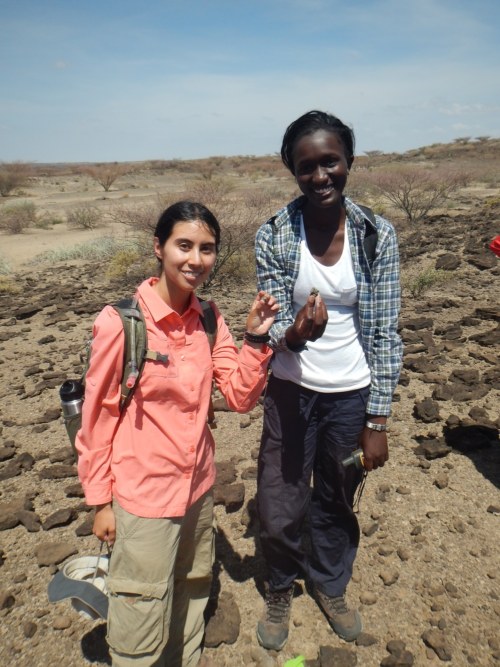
(135,348)
(209,322)
(370,240)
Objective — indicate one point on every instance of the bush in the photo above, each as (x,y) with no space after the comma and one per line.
(416,190)
(16,218)
(98,249)
(83,217)
(13,175)
(418,284)
(107,174)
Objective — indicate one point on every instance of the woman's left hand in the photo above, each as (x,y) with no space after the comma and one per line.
(262,313)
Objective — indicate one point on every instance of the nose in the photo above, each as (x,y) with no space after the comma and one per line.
(194,258)
(320,174)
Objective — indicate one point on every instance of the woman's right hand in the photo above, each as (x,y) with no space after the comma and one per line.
(105,524)
(310,323)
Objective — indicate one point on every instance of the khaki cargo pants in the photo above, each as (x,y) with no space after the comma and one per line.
(159,583)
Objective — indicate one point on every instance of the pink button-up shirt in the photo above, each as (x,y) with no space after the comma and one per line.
(157,457)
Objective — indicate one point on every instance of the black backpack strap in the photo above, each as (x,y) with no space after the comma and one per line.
(370,240)
(209,322)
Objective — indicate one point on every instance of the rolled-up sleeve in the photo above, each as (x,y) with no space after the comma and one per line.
(239,375)
(101,411)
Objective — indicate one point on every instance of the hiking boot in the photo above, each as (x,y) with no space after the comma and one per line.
(345,622)
(272,628)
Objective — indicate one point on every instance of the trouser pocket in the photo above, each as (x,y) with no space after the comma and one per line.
(136,617)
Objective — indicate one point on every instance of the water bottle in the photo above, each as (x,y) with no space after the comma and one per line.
(71,394)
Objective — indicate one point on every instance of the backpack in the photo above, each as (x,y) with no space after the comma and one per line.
(135,354)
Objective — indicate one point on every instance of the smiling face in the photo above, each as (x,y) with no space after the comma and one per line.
(187,257)
(321,167)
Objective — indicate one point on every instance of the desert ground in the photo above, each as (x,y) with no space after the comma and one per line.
(427,577)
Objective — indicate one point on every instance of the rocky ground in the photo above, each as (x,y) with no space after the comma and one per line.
(427,576)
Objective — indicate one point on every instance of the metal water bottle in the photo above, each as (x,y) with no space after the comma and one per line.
(71,394)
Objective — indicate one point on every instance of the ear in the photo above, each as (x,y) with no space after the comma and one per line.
(157,248)
(350,161)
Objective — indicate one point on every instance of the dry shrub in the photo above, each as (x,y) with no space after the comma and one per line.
(14,175)
(16,218)
(106,174)
(84,217)
(415,191)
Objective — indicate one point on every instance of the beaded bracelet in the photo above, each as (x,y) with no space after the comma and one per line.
(256,338)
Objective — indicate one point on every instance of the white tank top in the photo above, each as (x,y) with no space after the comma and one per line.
(335,362)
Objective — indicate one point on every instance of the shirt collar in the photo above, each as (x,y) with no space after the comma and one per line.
(157,308)
(288,213)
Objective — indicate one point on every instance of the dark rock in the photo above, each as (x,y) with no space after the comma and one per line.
(427,411)
(488,339)
(225,472)
(74,491)
(223,625)
(459,392)
(30,520)
(59,518)
(365,639)
(85,528)
(337,657)
(58,472)
(7,453)
(231,496)
(29,629)
(47,339)
(62,455)
(7,599)
(53,553)
(468,376)
(436,641)
(417,323)
(432,448)
(49,415)
(448,262)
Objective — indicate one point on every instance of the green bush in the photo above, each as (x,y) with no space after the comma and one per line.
(419,283)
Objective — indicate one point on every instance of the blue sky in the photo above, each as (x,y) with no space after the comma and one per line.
(103,80)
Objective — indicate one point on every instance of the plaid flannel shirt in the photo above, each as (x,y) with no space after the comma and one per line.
(277,251)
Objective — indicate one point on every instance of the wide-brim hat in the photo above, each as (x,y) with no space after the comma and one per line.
(83,580)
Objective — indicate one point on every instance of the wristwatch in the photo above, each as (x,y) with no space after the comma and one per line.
(376,427)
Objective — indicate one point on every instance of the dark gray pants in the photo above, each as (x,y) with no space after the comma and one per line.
(308,434)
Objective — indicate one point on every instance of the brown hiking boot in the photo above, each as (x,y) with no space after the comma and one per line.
(272,628)
(345,622)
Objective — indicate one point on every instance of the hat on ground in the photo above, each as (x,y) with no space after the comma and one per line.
(84,581)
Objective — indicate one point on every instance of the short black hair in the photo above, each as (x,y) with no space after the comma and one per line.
(186,211)
(310,122)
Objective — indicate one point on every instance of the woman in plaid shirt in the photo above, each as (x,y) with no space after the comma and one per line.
(337,358)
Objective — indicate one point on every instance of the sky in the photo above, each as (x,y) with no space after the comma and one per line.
(129,80)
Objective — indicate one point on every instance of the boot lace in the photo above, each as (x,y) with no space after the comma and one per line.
(278,605)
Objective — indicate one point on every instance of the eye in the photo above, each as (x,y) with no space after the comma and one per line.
(208,249)
(184,245)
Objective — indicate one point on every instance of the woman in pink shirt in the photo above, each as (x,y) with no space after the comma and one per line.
(149,470)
